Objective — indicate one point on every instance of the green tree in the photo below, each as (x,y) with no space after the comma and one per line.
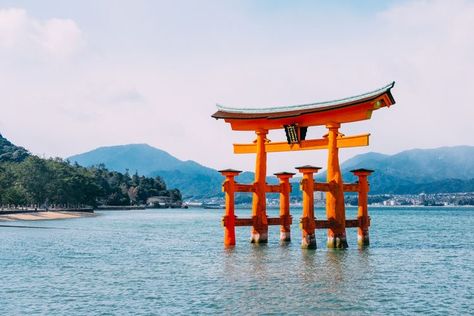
(34,178)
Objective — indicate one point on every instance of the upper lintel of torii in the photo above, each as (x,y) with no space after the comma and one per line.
(351,109)
(295,120)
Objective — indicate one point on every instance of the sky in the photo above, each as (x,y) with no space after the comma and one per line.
(77,75)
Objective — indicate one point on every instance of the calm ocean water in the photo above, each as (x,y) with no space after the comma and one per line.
(159,262)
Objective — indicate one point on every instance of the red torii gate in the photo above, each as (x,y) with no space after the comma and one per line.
(295,120)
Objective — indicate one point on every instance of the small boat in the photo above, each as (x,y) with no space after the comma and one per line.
(212,206)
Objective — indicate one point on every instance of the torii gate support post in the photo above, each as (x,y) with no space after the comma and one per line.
(362,212)
(228,221)
(285,217)
(307,222)
(259,231)
(335,209)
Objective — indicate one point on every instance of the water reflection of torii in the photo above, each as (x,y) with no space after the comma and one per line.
(295,120)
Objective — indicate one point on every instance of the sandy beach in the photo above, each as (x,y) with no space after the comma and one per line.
(35,216)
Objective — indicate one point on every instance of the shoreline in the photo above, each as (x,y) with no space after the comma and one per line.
(43,215)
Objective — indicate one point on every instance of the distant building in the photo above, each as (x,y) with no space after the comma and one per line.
(389,203)
(422,198)
(162,202)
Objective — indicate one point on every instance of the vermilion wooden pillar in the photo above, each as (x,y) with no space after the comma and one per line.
(362,212)
(335,209)
(228,221)
(285,217)
(307,223)
(259,232)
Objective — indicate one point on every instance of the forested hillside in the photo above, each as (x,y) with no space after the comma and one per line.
(26,179)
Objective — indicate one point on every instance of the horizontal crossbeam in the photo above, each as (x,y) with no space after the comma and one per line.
(320,186)
(351,187)
(272,188)
(244,187)
(320,223)
(275,188)
(324,223)
(269,188)
(325,187)
(249,221)
(312,144)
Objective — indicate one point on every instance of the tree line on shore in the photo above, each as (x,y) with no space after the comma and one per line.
(26,179)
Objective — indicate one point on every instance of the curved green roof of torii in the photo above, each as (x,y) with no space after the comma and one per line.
(226,112)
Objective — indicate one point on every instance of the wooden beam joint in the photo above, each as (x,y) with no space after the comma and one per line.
(244,187)
(273,188)
(321,186)
(350,187)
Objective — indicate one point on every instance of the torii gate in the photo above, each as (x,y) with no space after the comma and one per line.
(295,120)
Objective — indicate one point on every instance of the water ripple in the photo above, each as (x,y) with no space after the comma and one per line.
(172,262)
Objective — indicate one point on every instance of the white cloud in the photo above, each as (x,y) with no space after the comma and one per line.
(60,37)
(23,35)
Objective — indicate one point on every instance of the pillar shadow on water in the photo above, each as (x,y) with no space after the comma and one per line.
(230,266)
(310,270)
(364,262)
(335,262)
(364,255)
(258,262)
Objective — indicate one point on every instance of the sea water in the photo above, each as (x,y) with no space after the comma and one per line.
(172,261)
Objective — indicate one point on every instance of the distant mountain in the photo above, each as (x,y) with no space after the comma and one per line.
(446,169)
(197,182)
(142,158)
(191,178)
